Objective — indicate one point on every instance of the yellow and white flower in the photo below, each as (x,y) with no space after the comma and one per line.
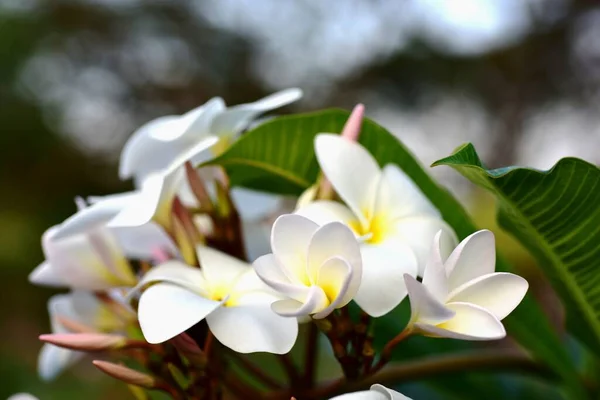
(387,212)
(461,296)
(317,268)
(225,292)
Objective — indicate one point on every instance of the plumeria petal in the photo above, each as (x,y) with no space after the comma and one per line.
(434,276)
(470,322)
(166,138)
(88,263)
(325,211)
(134,157)
(425,308)
(142,242)
(334,278)
(236,118)
(175,272)
(263,330)
(166,310)
(45,275)
(382,286)
(53,360)
(352,171)
(102,210)
(335,240)
(399,197)
(377,392)
(475,256)
(290,237)
(499,293)
(391,394)
(269,269)
(315,301)
(154,202)
(418,232)
(220,270)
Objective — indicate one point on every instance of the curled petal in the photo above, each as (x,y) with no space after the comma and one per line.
(499,293)
(470,322)
(335,240)
(425,308)
(290,237)
(335,277)
(236,118)
(475,256)
(269,270)
(315,301)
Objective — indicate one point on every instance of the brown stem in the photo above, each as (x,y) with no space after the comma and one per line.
(386,353)
(290,368)
(432,366)
(310,360)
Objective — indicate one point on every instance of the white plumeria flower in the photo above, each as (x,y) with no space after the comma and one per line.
(377,392)
(22,396)
(386,210)
(83,308)
(154,146)
(317,268)
(461,296)
(90,261)
(148,209)
(225,292)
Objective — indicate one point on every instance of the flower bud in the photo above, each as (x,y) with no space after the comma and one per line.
(125,374)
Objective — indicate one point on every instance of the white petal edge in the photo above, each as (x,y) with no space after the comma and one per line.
(499,293)
(271,272)
(352,171)
(475,256)
(175,272)
(434,275)
(314,302)
(263,330)
(418,233)
(325,211)
(45,275)
(336,275)
(425,308)
(471,322)
(399,197)
(336,240)
(220,269)
(166,310)
(53,360)
(382,286)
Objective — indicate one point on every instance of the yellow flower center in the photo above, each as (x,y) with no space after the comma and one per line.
(374,231)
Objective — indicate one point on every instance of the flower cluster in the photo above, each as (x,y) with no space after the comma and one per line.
(179,261)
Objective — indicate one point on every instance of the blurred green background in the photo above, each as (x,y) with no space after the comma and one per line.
(519,78)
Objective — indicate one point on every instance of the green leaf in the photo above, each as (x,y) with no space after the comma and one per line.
(556,215)
(279,157)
